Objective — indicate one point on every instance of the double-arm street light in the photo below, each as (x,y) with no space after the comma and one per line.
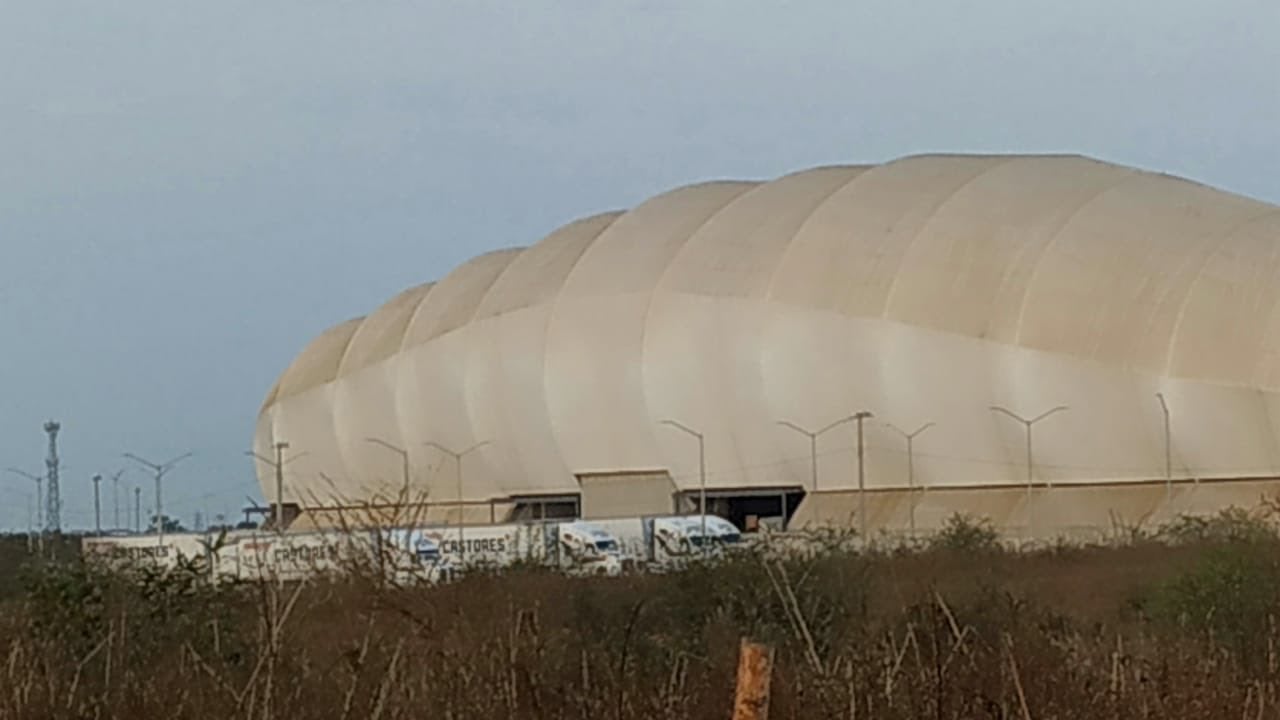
(278,464)
(1027,424)
(857,417)
(911,469)
(702,471)
(457,456)
(160,469)
(404,462)
(813,436)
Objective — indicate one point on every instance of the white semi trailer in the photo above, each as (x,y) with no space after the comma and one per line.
(407,555)
(148,550)
(575,547)
(430,554)
(288,556)
(670,541)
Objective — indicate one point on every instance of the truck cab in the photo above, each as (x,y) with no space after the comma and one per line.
(585,549)
(679,539)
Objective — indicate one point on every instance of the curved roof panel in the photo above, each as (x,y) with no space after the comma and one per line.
(453,301)
(318,363)
(382,332)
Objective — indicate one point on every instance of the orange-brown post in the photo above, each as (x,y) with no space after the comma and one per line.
(755,666)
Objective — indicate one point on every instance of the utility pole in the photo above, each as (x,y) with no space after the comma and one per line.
(31,540)
(53,513)
(911,470)
(137,510)
(115,499)
(1168,454)
(457,459)
(160,469)
(813,436)
(39,480)
(860,416)
(97,507)
(404,463)
(1027,423)
(278,463)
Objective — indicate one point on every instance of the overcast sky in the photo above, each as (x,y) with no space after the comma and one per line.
(190,191)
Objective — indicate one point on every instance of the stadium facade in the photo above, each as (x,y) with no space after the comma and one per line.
(929,289)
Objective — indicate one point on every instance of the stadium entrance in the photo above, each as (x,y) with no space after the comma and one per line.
(545,507)
(747,508)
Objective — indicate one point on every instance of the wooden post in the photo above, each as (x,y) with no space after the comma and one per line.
(755,667)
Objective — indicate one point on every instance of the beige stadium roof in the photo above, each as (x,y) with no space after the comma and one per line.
(926,289)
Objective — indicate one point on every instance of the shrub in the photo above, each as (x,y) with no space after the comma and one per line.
(1232,525)
(966,533)
(1229,595)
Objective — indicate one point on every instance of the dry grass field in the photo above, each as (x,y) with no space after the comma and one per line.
(1179,625)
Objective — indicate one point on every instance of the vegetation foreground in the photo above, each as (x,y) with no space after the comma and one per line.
(1178,625)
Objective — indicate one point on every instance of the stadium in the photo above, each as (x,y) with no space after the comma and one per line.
(1084,344)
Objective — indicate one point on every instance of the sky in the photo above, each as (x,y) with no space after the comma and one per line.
(191,191)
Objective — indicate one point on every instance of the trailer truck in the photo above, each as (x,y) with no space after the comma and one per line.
(575,547)
(431,554)
(670,541)
(152,551)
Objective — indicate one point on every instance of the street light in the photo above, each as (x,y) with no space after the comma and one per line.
(457,459)
(278,464)
(862,480)
(115,497)
(702,473)
(813,436)
(39,480)
(160,469)
(911,470)
(1168,453)
(97,505)
(404,458)
(1027,423)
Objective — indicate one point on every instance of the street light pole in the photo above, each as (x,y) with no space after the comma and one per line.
(278,464)
(115,498)
(280,448)
(97,507)
(404,460)
(1168,453)
(137,509)
(457,459)
(911,471)
(39,480)
(160,469)
(813,436)
(702,473)
(859,417)
(1027,423)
